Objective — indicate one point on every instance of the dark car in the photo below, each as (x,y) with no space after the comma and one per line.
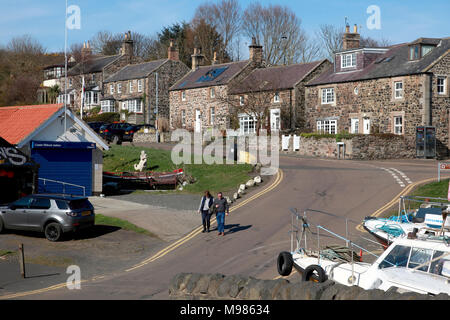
(96,126)
(116,132)
(51,214)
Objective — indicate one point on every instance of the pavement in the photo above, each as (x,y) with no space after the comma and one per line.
(256,231)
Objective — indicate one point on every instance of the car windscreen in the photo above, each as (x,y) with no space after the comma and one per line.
(80,204)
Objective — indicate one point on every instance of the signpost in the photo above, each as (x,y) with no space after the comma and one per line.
(442,166)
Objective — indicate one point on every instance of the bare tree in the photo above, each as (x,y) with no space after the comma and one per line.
(369,42)
(331,38)
(311,50)
(278,29)
(25,45)
(225,17)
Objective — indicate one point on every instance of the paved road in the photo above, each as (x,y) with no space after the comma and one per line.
(258,231)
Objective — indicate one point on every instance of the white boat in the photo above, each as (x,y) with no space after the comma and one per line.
(430,219)
(417,263)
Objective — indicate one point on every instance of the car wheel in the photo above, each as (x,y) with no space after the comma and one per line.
(53,231)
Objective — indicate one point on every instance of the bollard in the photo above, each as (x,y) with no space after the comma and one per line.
(22,261)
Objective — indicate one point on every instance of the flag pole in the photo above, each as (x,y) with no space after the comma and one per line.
(65,72)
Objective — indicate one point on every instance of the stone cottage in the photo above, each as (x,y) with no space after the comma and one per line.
(94,69)
(141,91)
(278,91)
(197,101)
(383,90)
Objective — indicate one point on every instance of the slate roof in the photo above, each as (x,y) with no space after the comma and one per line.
(136,71)
(93,65)
(275,78)
(17,123)
(395,62)
(205,76)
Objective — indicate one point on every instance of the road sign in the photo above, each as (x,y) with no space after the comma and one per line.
(442,166)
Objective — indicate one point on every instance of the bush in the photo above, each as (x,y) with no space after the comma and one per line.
(108,117)
(339,137)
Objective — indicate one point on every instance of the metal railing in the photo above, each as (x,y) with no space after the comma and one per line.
(64,185)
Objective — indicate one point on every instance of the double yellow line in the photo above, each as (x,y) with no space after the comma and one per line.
(393,201)
(198,230)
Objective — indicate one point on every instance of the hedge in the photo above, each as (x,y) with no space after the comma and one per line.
(108,117)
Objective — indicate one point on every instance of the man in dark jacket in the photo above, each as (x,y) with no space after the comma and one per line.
(222,208)
(205,204)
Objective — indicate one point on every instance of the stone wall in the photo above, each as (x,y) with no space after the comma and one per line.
(188,286)
(151,137)
(360,147)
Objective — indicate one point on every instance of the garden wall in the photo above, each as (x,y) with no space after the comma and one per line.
(358,147)
(151,137)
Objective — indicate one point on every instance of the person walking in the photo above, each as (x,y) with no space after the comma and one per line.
(205,205)
(222,209)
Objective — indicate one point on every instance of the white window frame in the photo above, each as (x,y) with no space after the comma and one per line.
(131,86)
(212,92)
(111,88)
(119,88)
(398,92)
(327,95)
(348,60)
(241,100)
(398,126)
(108,106)
(183,95)
(276,98)
(212,113)
(247,124)
(70,83)
(354,125)
(140,85)
(327,126)
(443,85)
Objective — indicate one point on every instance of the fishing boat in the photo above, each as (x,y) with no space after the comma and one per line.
(430,218)
(416,263)
(144,180)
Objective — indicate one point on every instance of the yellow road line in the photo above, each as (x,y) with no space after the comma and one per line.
(161,253)
(393,201)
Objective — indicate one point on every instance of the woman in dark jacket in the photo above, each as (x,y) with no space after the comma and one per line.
(205,204)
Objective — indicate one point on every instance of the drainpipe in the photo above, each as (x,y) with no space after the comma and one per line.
(427,96)
(156,107)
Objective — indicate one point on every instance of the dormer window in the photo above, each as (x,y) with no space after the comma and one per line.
(417,51)
(348,60)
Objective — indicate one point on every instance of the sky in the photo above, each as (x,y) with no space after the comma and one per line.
(400,20)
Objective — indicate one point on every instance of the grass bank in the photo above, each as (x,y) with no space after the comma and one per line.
(432,190)
(123,224)
(214,177)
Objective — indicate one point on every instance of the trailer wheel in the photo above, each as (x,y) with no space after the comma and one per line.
(314,273)
(285,263)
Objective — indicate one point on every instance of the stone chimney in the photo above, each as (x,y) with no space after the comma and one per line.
(350,40)
(215,61)
(256,52)
(172,52)
(86,51)
(127,45)
(197,58)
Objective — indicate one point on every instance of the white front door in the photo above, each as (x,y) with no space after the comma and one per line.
(198,121)
(275,119)
(366,124)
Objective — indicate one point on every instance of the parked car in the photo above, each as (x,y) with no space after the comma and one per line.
(96,125)
(51,214)
(116,132)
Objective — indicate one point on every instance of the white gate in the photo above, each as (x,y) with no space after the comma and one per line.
(296,143)
(285,142)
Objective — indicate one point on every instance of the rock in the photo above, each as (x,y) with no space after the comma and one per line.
(214,283)
(202,285)
(192,283)
(236,196)
(241,192)
(176,282)
(242,187)
(229,200)
(250,183)
(257,179)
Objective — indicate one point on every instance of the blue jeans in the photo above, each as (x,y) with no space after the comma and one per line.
(220,221)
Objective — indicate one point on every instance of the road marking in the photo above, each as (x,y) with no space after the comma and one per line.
(161,253)
(404,176)
(393,201)
(394,175)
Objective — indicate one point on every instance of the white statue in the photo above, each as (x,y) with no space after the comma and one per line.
(142,163)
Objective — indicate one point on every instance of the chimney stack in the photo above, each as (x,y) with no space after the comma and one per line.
(197,59)
(350,40)
(86,51)
(256,52)
(127,45)
(173,53)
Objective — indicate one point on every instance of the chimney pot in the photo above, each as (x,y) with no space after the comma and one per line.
(355,29)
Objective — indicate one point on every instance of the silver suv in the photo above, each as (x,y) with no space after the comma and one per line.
(51,214)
